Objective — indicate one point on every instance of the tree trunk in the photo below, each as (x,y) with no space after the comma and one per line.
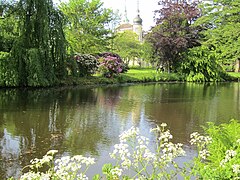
(237,65)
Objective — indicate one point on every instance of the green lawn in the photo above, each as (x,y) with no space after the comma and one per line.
(141,73)
(234,74)
(134,75)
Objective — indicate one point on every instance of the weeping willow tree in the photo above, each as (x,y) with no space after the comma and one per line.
(39,51)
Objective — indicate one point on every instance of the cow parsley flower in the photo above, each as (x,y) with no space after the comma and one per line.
(228,156)
(204,154)
(116,172)
(236,168)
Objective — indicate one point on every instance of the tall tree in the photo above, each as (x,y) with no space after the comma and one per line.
(87,30)
(173,33)
(38,50)
(222,30)
(127,45)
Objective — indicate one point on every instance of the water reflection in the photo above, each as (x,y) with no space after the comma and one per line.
(88,121)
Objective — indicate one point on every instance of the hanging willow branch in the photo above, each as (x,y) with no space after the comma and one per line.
(40,50)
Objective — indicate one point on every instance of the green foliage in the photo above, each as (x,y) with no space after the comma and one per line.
(147,53)
(8,32)
(106,169)
(220,45)
(201,65)
(127,45)
(221,23)
(234,75)
(32,32)
(223,161)
(86,30)
(8,70)
(71,66)
(36,75)
(86,63)
(173,33)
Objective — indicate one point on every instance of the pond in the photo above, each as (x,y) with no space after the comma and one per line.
(88,121)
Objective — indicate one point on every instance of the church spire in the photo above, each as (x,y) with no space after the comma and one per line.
(137,24)
(125,20)
(138,10)
(137,19)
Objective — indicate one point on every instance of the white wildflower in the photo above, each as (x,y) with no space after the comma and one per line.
(126,163)
(236,168)
(142,140)
(120,151)
(149,156)
(68,168)
(238,141)
(82,176)
(35,161)
(116,172)
(157,129)
(126,135)
(231,153)
(163,125)
(197,139)
(90,161)
(46,159)
(77,158)
(165,136)
(228,156)
(52,152)
(204,154)
(33,175)
(171,151)
(223,162)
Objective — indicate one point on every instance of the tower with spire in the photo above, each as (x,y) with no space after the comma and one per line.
(125,20)
(137,24)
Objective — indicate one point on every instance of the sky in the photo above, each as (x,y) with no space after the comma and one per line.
(147,8)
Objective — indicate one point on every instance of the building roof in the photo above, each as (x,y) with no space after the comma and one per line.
(124,26)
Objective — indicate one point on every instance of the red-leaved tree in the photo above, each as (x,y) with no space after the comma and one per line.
(173,33)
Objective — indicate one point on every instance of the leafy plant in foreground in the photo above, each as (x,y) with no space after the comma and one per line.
(219,152)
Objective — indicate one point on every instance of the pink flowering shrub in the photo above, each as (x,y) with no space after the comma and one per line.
(111,65)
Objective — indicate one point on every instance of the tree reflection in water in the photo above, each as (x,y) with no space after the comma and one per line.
(88,121)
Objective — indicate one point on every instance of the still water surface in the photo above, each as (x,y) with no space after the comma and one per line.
(88,121)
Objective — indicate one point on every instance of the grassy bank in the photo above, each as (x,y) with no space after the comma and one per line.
(135,75)
(234,74)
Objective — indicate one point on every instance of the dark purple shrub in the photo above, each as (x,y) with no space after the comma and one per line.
(86,64)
